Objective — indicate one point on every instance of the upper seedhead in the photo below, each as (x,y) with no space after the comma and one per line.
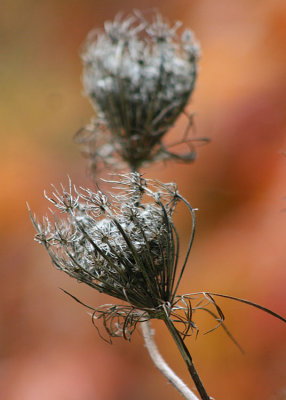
(139,76)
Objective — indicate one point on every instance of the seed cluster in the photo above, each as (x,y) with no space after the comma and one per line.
(139,76)
(124,244)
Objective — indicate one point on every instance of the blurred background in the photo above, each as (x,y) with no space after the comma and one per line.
(48,346)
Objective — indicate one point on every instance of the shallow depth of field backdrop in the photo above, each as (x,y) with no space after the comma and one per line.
(48,346)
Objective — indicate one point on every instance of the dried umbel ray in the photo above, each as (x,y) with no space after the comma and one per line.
(139,76)
(126,245)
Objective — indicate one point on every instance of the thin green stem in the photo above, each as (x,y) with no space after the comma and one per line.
(187,358)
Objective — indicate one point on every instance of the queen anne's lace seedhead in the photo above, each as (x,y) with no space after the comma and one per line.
(139,76)
(124,244)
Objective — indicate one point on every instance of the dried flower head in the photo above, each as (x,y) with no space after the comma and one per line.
(139,76)
(124,244)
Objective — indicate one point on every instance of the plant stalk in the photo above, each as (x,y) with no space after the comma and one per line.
(162,366)
(187,358)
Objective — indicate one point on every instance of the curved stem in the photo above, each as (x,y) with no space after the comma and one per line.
(162,365)
(187,358)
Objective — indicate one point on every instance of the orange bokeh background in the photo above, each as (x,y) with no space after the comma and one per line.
(49,348)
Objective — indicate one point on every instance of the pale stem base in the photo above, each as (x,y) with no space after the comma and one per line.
(161,364)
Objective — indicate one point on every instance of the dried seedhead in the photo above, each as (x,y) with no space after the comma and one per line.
(139,76)
(123,244)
